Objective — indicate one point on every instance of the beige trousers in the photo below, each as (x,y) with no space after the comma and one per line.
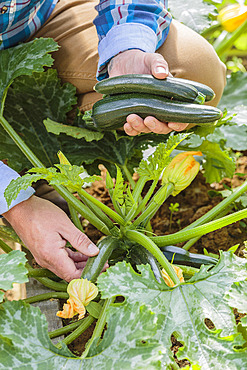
(71,25)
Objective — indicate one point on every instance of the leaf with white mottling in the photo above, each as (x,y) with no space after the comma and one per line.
(183,309)
(237,296)
(127,344)
(12,270)
(194,14)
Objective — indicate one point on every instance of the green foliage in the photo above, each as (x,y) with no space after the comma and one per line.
(69,176)
(12,270)
(138,334)
(153,167)
(128,337)
(183,309)
(23,60)
(196,15)
(74,131)
(30,100)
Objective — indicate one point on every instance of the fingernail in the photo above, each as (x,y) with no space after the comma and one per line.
(92,248)
(162,70)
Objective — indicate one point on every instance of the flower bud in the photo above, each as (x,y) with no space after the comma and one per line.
(81,292)
(232,16)
(62,158)
(181,171)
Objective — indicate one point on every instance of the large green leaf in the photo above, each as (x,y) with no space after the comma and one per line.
(12,270)
(194,14)
(127,343)
(218,163)
(30,100)
(184,309)
(113,149)
(24,59)
(234,98)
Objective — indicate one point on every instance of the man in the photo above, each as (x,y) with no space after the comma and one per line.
(134,37)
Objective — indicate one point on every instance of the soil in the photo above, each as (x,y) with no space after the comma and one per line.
(193,202)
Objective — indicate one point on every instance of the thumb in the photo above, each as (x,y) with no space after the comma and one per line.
(158,65)
(80,241)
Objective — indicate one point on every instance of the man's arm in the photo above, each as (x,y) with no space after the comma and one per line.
(6,175)
(129,35)
(125,25)
(44,229)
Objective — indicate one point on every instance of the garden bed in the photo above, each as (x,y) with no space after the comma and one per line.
(193,202)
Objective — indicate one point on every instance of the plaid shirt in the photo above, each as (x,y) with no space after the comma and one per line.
(121,25)
(21,19)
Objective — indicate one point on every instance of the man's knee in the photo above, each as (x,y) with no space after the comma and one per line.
(191,57)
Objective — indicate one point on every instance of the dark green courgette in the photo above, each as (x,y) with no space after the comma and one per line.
(169,87)
(203,89)
(141,255)
(182,257)
(95,264)
(110,113)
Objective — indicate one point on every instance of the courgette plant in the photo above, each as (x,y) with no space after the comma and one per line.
(157,304)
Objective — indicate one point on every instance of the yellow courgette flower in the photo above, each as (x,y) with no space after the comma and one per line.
(167,278)
(81,292)
(232,16)
(181,171)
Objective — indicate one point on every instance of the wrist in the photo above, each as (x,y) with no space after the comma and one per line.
(16,212)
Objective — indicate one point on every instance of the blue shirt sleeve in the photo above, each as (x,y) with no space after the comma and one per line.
(6,175)
(126,24)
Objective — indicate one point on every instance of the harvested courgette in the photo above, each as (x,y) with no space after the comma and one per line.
(182,257)
(110,113)
(170,87)
(203,89)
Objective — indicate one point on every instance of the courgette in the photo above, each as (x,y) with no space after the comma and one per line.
(141,255)
(170,87)
(95,264)
(203,89)
(110,113)
(182,257)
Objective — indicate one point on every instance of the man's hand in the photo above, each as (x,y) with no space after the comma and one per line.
(136,61)
(44,229)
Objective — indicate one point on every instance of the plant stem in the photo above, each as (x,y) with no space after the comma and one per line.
(82,209)
(191,242)
(40,272)
(158,199)
(113,229)
(46,297)
(75,218)
(115,216)
(184,235)
(5,247)
(99,326)
(65,329)
(139,187)
(214,212)
(209,31)
(59,287)
(149,244)
(188,270)
(79,207)
(227,43)
(129,176)
(84,325)
(146,198)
